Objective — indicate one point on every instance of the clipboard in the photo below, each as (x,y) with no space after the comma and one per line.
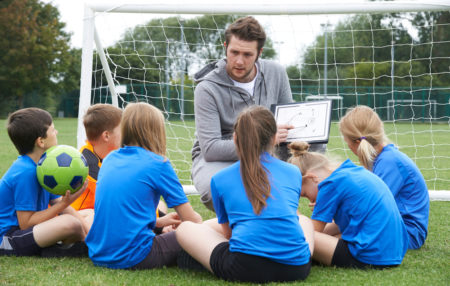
(311,120)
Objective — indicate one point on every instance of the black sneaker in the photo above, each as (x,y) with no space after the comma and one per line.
(185,261)
(77,249)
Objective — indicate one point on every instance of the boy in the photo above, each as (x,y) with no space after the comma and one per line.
(27,223)
(102,125)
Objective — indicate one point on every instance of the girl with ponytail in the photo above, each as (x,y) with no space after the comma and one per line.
(372,232)
(363,131)
(261,237)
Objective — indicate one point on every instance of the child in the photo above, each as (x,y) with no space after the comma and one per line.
(129,186)
(256,204)
(363,131)
(27,224)
(102,125)
(361,205)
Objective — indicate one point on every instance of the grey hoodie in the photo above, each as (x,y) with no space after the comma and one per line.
(217,103)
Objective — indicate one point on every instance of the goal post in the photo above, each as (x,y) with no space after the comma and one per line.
(371,53)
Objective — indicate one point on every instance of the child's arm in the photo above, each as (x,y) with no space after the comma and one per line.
(28,219)
(186,212)
(318,225)
(226,230)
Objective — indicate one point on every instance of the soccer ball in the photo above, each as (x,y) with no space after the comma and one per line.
(62,168)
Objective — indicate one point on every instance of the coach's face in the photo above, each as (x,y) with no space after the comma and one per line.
(241,58)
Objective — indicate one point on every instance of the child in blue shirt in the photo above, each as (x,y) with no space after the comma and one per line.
(363,131)
(27,223)
(260,238)
(130,183)
(372,232)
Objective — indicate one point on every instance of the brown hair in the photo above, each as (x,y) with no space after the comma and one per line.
(364,125)
(143,125)
(246,29)
(306,161)
(100,118)
(255,129)
(26,125)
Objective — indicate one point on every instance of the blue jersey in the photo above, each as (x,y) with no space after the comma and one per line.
(275,233)
(365,211)
(410,191)
(20,191)
(130,183)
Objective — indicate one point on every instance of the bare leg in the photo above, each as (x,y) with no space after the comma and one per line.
(324,247)
(332,229)
(214,224)
(308,231)
(199,240)
(65,228)
(88,216)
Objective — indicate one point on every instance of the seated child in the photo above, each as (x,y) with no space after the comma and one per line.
(27,223)
(364,133)
(102,125)
(262,238)
(372,231)
(130,183)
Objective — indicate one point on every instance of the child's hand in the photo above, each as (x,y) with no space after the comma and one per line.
(170,219)
(69,198)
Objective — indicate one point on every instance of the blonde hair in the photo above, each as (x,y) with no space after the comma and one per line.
(307,161)
(362,124)
(143,125)
(254,130)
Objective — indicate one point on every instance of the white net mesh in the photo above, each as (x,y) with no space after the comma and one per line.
(396,63)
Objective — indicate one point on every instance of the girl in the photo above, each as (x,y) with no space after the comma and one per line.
(130,183)
(360,203)
(364,133)
(256,202)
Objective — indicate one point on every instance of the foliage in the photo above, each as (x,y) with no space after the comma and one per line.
(33,50)
(359,51)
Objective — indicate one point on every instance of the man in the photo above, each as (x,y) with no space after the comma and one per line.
(224,89)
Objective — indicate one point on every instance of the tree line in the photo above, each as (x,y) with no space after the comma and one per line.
(39,68)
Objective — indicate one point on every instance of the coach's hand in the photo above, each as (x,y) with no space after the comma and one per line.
(282,133)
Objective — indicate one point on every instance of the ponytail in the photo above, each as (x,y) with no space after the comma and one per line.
(363,125)
(306,161)
(255,130)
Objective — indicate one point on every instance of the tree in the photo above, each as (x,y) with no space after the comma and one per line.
(33,49)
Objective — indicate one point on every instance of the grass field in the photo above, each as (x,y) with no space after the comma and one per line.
(427,266)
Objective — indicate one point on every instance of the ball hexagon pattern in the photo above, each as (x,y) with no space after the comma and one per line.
(62,168)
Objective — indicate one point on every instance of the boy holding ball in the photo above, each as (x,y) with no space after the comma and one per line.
(27,223)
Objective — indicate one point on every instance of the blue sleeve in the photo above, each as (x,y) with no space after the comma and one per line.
(222,216)
(26,191)
(170,187)
(326,203)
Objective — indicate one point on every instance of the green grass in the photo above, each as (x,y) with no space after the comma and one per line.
(427,266)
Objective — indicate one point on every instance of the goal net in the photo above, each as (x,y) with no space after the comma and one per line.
(391,56)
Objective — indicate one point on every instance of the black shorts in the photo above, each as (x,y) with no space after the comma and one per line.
(165,249)
(343,258)
(237,266)
(19,243)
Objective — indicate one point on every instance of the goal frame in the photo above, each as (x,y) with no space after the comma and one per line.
(90,35)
